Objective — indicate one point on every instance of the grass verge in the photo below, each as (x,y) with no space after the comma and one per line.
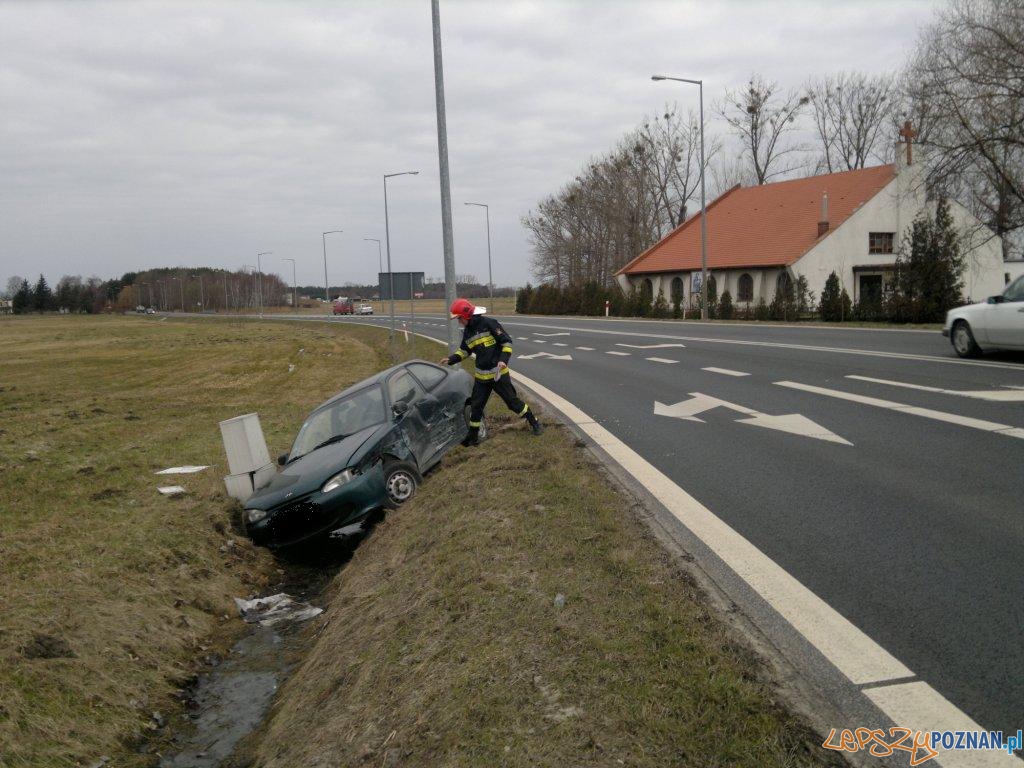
(516,613)
(110,589)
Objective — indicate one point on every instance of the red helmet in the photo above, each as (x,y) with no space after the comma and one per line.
(462,308)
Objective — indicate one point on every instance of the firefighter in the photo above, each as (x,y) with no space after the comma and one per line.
(484,337)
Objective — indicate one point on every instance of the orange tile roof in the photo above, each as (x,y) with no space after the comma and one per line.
(769,225)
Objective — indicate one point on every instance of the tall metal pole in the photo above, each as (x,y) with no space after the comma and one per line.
(442,158)
(387,240)
(703,204)
(327,290)
(490,275)
(703,217)
(295,301)
(380,265)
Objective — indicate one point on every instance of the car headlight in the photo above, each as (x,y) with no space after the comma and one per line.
(340,479)
(255,515)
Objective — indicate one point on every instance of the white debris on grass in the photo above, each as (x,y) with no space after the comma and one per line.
(186,470)
(291,367)
(171,490)
(268,611)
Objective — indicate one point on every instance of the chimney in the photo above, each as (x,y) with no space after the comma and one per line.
(823,221)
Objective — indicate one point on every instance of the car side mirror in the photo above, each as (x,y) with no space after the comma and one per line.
(282,459)
(400,408)
(995,300)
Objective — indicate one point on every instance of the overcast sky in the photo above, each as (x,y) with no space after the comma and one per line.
(142,134)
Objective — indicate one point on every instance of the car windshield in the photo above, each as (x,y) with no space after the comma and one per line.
(338,420)
(1015,290)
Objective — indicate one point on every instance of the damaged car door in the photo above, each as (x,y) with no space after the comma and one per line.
(415,411)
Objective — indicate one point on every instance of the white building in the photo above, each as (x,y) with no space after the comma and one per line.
(851,223)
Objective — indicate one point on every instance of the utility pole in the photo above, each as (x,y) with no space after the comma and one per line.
(442,158)
(323,237)
(490,275)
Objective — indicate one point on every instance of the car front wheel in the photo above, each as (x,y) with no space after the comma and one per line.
(963,340)
(401,480)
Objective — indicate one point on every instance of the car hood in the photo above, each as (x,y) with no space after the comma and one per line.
(310,472)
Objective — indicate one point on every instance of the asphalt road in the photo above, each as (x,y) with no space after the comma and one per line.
(909,523)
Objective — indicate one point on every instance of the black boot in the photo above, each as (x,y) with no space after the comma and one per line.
(534,424)
(472,437)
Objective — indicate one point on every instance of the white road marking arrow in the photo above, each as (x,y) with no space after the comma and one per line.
(649,346)
(793,423)
(545,354)
(566,333)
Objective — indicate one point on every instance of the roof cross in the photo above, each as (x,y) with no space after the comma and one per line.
(908,133)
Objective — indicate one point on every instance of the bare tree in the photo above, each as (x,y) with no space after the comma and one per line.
(620,204)
(761,117)
(13,286)
(968,71)
(852,117)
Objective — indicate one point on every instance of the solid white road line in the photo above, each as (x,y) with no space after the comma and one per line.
(660,360)
(920,707)
(558,344)
(586,349)
(523,338)
(928,413)
(620,354)
(997,395)
(725,371)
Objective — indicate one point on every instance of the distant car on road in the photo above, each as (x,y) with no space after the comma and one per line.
(998,323)
(365,309)
(150,311)
(343,307)
(364,449)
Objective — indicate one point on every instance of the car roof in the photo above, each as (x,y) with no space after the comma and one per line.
(377,378)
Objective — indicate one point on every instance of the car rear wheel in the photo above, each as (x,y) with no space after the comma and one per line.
(401,480)
(963,340)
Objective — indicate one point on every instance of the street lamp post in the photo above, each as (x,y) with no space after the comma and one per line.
(380,265)
(387,240)
(490,276)
(181,291)
(323,237)
(703,206)
(259,291)
(295,303)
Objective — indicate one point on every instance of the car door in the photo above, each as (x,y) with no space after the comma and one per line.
(420,408)
(447,424)
(1005,319)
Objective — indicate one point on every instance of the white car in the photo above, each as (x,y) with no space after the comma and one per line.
(996,324)
(365,309)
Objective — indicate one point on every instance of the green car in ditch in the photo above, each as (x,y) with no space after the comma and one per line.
(364,449)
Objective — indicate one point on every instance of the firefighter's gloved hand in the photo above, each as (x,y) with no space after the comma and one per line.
(444,361)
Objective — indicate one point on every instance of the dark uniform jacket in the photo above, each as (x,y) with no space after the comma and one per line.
(485,338)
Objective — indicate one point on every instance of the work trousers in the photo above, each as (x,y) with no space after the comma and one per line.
(482,391)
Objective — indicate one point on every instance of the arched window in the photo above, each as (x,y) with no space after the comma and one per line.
(784,286)
(745,291)
(677,290)
(712,289)
(647,289)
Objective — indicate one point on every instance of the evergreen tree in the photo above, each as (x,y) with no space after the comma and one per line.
(930,266)
(42,296)
(831,307)
(23,298)
(725,309)
(660,307)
